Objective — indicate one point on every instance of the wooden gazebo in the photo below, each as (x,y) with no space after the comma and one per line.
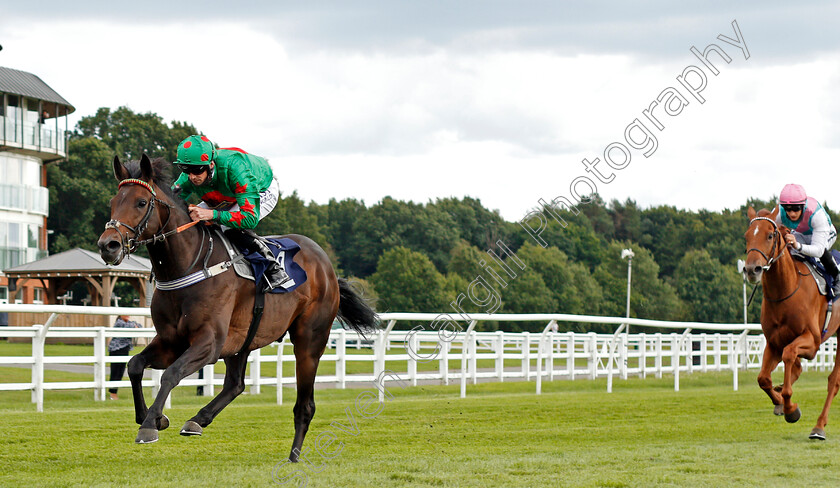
(59,271)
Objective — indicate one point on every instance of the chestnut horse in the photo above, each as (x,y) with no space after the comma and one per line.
(792,315)
(200,323)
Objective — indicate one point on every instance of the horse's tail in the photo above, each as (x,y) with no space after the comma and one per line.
(353,310)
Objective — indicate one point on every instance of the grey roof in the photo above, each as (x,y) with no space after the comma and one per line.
(29,85)
(76,261)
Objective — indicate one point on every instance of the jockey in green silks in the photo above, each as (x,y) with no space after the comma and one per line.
(236,189)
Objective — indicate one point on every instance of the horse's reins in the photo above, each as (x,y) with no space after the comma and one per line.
(775,257)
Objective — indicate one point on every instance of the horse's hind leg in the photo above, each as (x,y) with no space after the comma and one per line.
(769,361)
(156,355)
(310,339)
(818,432)
(233,387)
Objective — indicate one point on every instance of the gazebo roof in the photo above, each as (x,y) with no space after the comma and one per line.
(80,262)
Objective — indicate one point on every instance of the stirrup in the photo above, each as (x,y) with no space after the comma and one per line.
(275,278)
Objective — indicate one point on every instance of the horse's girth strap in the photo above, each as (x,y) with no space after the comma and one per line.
(259,305)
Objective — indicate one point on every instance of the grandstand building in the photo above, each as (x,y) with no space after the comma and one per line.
(33,127)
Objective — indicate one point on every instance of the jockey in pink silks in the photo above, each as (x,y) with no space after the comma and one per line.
(812,231)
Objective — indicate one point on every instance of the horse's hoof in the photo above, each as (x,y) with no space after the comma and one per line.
(146,436)
(793,416)
(163,422)
(191,428)
(817,433)
(779,410)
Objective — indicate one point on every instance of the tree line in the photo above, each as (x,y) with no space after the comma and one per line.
(453,254)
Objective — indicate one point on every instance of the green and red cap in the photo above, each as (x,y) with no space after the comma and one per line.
(196,151)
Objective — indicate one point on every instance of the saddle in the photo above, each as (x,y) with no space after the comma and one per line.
(823,279)
(254,265)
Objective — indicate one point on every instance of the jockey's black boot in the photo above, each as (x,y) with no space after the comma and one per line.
(247,239)
(831,267)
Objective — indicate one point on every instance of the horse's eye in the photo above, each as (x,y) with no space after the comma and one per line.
(142,203)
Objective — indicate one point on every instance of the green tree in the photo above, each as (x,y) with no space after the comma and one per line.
(130,134)
(80,189)
(651,297)
(407,281)
(393,223)
(711,291)
(527,293)
(464,261)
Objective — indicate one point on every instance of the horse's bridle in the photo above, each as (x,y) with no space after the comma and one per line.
(130,244)
(775,257)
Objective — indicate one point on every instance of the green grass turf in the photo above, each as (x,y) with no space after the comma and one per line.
(574,434)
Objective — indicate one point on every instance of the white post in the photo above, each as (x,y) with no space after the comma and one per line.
(38,367)
(526,355)
(540,348)
(414,344)
(99,365)
(500,355)
(570,362)
(593,355)
(209,373)
(612,357)
(444,361)
(473,357)
(464,358)
(380,344)
(341,358)
(280,370)
(659,353)
(255,372)
(680,344)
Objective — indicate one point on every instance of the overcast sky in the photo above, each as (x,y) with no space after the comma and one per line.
(499,101)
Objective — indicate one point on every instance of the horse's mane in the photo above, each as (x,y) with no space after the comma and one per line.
(162,170)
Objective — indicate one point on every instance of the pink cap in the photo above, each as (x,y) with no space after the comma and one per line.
(793,194)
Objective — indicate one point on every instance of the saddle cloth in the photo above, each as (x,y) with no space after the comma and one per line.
(254,264)
(824,280)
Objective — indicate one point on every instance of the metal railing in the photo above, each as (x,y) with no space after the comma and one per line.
(422,354)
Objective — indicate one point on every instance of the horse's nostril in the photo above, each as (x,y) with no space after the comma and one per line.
(114,246)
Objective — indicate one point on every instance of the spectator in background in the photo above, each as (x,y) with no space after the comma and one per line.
(120,346)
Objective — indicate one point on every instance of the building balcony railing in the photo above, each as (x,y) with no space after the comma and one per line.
(37,137)
(32,199)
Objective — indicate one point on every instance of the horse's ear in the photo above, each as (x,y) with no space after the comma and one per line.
(750,213)
(119,170)
(147,173)
(775,212)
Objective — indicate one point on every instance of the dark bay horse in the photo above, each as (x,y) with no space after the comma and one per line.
(208,320)
(792,315)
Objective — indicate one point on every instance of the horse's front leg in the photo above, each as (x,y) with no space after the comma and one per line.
(769,361)
(200,352)
(156,355)
(802,346)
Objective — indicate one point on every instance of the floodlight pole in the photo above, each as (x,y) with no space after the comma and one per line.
(628,253)
(744,282)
